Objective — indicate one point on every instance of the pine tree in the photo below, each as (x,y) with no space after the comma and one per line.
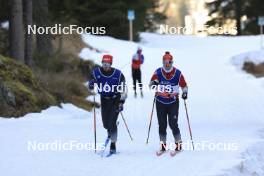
(42,19)
(112,14)
(4,10)
(235,9)
(226,10)
(253,10)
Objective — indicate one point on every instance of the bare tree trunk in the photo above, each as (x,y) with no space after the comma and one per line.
(16,31)
(28,9)
(41,14)
(238,15)
(60,44)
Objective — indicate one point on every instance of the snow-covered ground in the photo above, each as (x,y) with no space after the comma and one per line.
(225,106)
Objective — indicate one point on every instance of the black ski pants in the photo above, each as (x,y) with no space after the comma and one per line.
(136,74)
(168,112)
(109,107)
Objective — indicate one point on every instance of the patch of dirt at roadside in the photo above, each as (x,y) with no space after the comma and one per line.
(255,69)
(71,44)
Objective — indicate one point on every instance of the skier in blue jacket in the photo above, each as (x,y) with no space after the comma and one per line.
(112,89)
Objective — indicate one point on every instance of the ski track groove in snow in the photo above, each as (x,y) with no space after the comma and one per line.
(224,104)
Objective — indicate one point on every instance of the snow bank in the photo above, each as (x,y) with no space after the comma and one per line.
(256,57)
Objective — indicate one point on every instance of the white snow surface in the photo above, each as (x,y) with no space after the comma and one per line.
(4,25)
(224,105)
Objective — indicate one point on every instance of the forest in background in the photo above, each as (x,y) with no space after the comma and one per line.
(38,71)
(244,12)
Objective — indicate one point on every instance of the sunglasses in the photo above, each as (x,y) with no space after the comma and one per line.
(106,64)
(167,62)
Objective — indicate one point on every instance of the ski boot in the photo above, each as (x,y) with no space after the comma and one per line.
(112,148)
(178,148)
(135,94)
(163,149)
(141,93)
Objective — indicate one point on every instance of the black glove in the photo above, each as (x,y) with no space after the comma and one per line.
(120,107)
(184,95)
(153,84)
(91,84)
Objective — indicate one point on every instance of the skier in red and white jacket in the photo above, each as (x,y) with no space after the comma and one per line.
(137,61)
(168,80)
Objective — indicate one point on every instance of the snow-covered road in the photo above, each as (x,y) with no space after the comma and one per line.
(226,106)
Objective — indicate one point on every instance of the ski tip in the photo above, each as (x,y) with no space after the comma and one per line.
(102,155)
(159,153)
(173,153)
(111,154)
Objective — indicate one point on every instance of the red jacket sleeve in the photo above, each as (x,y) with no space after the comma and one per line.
(154,77)
(182,82)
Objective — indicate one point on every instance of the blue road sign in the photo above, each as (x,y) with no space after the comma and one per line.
(130,14)
(261,21)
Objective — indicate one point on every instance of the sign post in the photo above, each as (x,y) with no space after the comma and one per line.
(130,17)
(261,24)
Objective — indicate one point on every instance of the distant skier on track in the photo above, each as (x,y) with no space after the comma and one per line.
(137,61)
(167,81)
(112,101)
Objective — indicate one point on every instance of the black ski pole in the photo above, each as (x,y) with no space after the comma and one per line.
(126,126)
(189,126)
(151,115)
(94,124)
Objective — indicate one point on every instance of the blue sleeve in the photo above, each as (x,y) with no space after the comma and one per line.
(91,81)
(142,59)
(93,74)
